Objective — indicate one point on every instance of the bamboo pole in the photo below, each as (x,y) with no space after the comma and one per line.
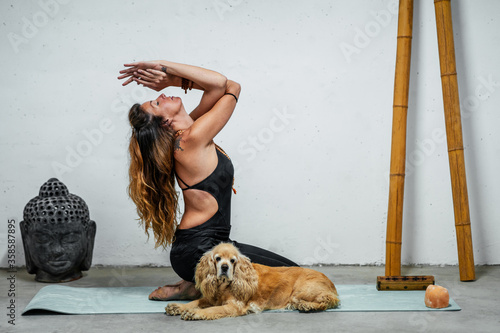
(398,146)
(454,137)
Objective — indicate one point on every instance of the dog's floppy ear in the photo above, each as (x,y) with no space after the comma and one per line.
(245,280)
(206,275)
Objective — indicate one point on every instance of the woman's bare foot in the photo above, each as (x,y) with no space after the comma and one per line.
(182,290)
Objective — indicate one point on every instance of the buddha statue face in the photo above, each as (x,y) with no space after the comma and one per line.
(58,250)
(58,236)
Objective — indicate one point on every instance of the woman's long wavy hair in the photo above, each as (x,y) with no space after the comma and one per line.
(152,175)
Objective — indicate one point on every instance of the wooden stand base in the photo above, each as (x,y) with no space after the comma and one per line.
(404,282)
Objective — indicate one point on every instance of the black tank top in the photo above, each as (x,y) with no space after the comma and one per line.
(219,184)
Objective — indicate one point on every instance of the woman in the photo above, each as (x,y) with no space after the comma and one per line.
(167,144)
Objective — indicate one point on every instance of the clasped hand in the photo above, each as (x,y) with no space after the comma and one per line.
(147,73)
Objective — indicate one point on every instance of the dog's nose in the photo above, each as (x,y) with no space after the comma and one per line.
(224,267)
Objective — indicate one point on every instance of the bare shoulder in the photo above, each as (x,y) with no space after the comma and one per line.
(184,143)
(190,152)
(178,143)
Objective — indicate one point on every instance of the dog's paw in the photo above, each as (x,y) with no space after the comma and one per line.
(173,309)
(191,315)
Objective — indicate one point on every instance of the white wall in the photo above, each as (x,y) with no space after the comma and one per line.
(310,137)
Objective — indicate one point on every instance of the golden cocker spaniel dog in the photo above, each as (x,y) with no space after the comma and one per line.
(233,286)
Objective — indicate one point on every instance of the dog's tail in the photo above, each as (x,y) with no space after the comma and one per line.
(330,300)
(322,302)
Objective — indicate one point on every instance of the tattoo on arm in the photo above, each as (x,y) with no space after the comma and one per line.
(177,145)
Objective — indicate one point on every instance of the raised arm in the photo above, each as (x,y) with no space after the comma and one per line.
(206,127)
(217,103)
(160,74)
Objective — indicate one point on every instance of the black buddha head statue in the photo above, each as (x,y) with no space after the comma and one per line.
(58,235)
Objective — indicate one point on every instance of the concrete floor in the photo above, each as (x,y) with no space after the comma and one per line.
(479,300)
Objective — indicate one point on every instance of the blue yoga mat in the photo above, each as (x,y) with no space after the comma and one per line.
(70,300)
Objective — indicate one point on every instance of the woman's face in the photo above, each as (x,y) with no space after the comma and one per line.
(163,106)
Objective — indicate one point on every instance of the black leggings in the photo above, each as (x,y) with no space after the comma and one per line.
(263,257)
(189,247)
